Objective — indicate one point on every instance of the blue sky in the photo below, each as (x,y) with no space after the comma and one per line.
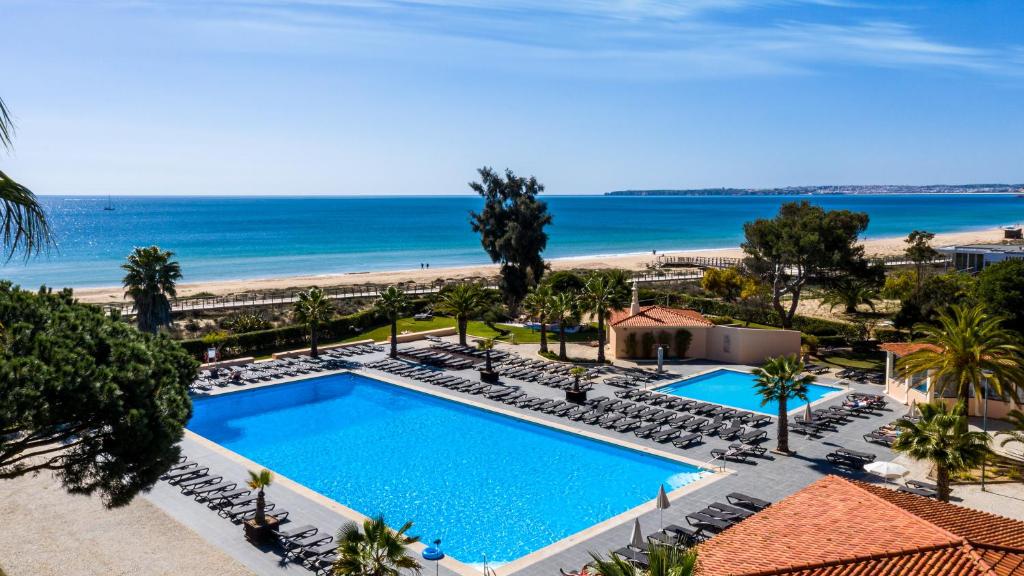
(410,97)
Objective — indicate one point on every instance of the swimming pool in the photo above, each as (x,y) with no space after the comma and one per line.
(736,389)
(486,484)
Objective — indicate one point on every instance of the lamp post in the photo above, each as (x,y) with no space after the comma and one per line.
(984,425)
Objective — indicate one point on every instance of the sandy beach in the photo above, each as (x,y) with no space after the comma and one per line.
(872,246)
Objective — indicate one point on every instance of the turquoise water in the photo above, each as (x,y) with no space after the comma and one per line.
(485,484)
(736,389)
(233,238)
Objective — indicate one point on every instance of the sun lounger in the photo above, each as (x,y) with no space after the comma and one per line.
(647,430)
(297,532)
(730,454)
(626,424)
(634,556)
(244,511)
(864,456)
(211,490)
(687,440)
(665,435)
(181,475)
(690,535)
(879,438)
(294,546)
(922,485)
(706,522)
(749,502)
(919,491)
(190,484)
(730,509)
(732,431)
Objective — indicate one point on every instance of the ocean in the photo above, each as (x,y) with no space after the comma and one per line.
(222,238)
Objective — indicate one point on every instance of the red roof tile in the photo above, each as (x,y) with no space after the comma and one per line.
(904,348)
(658,316)
(837,527)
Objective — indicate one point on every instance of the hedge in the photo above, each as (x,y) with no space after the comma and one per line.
(296,336)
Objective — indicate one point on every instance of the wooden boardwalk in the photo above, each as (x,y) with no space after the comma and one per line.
(182,305)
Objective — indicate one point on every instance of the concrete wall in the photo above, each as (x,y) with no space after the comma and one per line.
(720,343)
(750,345)
(617,340)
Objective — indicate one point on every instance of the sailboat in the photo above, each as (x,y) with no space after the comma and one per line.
(110,205)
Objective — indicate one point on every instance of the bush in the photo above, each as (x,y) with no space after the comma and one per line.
(890,335)
(682,338)
(646,345)
(810,342)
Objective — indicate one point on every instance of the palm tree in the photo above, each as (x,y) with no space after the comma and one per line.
(601,295)
(967,347)
(312,308)
(23,224)
(150,279)
(941,437)
(850,293)
(258,481)
(663,561)
(392,302)
(461,301)
(538,305)
(376,551)
(564,309)
(1016,418)
(779,380)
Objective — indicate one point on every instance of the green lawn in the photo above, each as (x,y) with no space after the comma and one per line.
(476,328)
(859,360)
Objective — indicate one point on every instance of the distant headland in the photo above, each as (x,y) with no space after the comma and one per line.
(833,190)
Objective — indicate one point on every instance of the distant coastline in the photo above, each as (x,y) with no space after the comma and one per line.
(832,190)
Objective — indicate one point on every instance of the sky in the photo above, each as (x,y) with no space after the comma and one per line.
(287,97)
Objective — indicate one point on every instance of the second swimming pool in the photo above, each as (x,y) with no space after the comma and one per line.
(736,389)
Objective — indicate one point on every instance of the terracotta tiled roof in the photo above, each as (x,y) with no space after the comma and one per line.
(659,316)
(904,348)
(837,527)
(979,528)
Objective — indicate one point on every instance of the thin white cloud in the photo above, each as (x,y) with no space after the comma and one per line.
(639,37)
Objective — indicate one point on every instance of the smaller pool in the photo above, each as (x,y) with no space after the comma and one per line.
(736,389)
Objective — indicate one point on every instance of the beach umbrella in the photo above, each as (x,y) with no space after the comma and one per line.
(637,539)
(808,415)
(662,503)
(886,470)
(434,554)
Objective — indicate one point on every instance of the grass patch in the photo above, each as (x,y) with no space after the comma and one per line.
(517,334)
(857,360)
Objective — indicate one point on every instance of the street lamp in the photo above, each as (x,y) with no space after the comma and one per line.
(986,374)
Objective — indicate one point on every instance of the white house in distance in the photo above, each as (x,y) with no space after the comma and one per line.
(636,333)
(923,387)
(974,258)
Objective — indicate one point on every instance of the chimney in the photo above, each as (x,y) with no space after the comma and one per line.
(634,308)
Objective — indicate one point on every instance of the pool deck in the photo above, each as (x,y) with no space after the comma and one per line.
(769,477)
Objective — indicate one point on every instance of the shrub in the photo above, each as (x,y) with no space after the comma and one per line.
(646,345)
(890,335)
(810,342)
(683,338)
(631,345)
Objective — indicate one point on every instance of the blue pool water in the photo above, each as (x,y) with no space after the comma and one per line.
(484,483)
(736,389)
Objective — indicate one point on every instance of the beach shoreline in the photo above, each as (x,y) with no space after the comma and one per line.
(636,262)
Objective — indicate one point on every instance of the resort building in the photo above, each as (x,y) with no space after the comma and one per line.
(976,257)
(839,527)
(638,332)
(923,387)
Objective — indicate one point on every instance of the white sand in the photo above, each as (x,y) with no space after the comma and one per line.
(873,246)
(47,531)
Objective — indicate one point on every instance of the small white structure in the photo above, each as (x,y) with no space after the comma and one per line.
(976,257)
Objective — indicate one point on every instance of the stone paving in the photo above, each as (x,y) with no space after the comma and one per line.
(770,477)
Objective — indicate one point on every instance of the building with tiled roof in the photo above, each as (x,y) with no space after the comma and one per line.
(839,527)
(638,332)
(920,387)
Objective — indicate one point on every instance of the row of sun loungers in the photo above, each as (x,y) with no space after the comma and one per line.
(470,351)
(920,489)
(305,544)
(333,359)
(829,419)
(861,375)
(846,458)
(695,407)
(437,358)
(713,519)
